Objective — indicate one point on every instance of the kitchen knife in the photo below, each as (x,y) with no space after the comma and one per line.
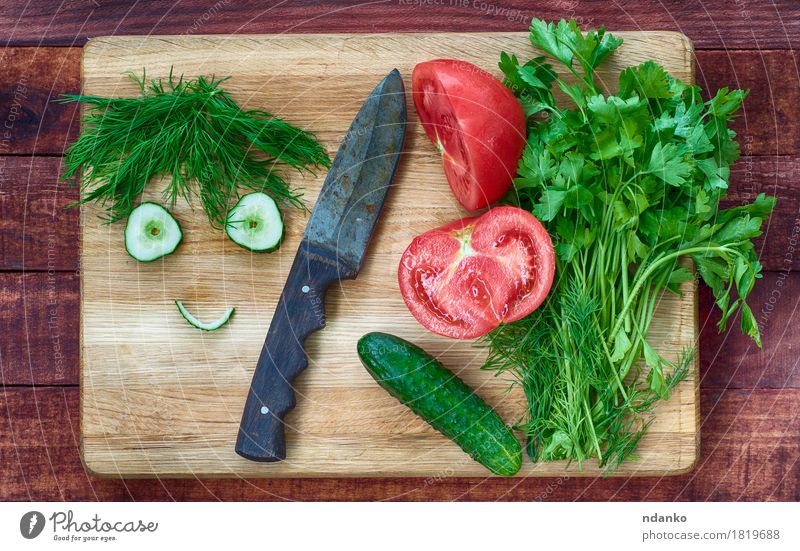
(332,249)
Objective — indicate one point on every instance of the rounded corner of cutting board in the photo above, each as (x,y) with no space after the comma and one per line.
(92,469)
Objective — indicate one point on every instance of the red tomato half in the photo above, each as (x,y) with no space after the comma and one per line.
(477,124)
(463,279)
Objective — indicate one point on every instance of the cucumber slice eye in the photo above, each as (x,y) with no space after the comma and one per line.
(255,223)
(151,232)
(211,326)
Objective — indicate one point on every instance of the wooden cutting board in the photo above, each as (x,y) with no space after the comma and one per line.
(160,398)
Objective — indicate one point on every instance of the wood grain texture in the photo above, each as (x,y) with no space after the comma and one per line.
(720,24)
(730,360)
(37,231)
(768,123)
(29,82)
(161,398)
(39,339)
(750,451)
(777,176)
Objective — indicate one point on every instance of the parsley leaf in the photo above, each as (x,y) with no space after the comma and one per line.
(667,164)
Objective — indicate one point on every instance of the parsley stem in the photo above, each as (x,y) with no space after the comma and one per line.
(640,280)
(624,270)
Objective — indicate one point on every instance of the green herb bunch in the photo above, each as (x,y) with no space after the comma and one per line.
(192,130)
(628,185)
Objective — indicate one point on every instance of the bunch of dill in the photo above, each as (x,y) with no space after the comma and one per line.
(193,131)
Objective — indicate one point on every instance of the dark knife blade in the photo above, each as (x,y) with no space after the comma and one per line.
(332,249)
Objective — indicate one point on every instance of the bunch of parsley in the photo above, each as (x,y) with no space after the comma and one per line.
(629,187)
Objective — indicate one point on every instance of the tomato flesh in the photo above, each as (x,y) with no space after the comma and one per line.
(465,278)
(477,124)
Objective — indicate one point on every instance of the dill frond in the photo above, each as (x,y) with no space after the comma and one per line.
(193,131)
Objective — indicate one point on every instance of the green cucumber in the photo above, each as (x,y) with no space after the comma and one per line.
(211,326)
(443,400)
(255,223)
(151,232)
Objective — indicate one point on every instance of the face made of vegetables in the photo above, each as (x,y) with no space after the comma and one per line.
(212,149)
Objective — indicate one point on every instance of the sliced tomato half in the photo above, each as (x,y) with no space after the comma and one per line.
(465,278)
(477,124)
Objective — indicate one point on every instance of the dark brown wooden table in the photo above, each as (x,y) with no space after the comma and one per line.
(750,397)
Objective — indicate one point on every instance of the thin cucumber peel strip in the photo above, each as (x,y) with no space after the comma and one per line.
(212,326)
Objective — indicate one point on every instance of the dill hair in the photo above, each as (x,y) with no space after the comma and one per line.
(192,131)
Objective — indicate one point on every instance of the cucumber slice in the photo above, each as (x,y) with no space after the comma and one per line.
(255,223)
(194,322)
(151,232)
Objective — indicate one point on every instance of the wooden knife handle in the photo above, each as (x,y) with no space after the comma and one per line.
(300,311)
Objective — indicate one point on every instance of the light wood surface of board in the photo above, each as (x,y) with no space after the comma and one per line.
(160,398)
